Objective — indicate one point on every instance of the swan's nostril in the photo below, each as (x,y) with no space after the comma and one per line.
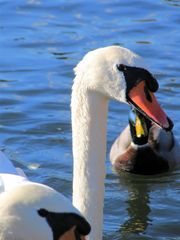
(171,124)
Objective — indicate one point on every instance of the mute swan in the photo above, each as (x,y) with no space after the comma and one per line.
(106,73)
(144,148)
(33,211)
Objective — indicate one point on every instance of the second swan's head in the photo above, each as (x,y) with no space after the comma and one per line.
(118,73)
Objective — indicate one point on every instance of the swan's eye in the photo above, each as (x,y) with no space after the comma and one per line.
(121,67)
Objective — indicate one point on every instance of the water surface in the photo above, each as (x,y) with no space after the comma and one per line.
(40,44)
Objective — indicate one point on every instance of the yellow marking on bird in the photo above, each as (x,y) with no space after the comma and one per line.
(139,128)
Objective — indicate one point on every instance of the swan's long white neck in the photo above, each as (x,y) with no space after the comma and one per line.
(89,114)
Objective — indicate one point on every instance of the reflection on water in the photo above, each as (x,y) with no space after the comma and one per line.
(138,207)
(144,214)
(40,44)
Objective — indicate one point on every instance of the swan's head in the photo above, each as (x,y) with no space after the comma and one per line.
(119,74)
(44,214)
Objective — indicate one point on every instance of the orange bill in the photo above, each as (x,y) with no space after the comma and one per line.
(149,106)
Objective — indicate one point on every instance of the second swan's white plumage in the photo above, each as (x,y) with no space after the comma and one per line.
(33,211)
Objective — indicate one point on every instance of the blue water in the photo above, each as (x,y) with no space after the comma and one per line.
(40,43)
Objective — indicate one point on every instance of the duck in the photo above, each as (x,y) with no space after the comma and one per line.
(106,73)
(30,210)
(144,148)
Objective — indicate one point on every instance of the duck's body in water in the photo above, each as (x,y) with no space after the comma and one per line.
(144,148)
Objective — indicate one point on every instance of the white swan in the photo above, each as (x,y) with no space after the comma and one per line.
(33,211)
(102,74)
(144,148)
(106,73)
